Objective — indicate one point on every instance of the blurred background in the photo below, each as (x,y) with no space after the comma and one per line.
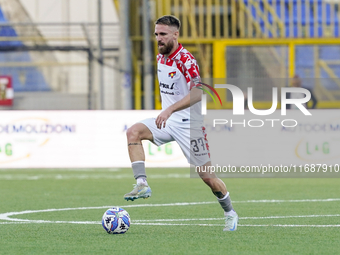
(100,54)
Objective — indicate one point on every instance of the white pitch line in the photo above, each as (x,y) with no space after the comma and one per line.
(11,222)
(289,216)
(175,224)
(154,221)
(161,221)
(241,218)
(5,216)
(84,176)
(281,225)
(289,201)
(54,222)
(240,225)
(185,224)
(170,220)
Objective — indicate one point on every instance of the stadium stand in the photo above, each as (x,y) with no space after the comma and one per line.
(302,12)
(24,78)
(291,7)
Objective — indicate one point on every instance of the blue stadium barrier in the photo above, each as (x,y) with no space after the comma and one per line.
(23,78)
(311,20)
(305,54)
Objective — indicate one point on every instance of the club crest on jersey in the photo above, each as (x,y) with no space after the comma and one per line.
(172,74)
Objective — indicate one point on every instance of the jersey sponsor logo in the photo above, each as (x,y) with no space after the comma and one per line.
(172,74)
(168,93)
(167,86)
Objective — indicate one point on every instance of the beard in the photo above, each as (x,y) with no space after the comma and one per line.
(166,49)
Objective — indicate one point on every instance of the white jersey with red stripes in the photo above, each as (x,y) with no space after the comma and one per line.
(175,75)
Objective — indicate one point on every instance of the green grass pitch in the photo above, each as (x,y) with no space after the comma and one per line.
(277,216)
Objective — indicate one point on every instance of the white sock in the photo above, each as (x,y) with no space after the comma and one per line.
(142,180)
(232,212)
(223,197)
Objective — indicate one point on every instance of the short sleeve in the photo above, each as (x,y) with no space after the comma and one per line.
(191,68)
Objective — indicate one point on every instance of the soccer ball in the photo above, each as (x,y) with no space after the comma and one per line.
(116,221)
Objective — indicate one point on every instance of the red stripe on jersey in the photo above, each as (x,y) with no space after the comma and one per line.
(206,140)
(169,62)
(180,67)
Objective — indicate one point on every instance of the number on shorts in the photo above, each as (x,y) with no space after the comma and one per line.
(196,143)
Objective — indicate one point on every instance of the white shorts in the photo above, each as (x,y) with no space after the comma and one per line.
(193,142)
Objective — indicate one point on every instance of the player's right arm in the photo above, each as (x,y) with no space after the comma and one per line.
(192,98)
(190,71)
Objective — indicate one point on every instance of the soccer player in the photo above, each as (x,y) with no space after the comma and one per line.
(180,119)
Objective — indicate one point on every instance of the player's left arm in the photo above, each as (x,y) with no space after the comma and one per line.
(192,98)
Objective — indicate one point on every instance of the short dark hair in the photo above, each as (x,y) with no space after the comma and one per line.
(169,20)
